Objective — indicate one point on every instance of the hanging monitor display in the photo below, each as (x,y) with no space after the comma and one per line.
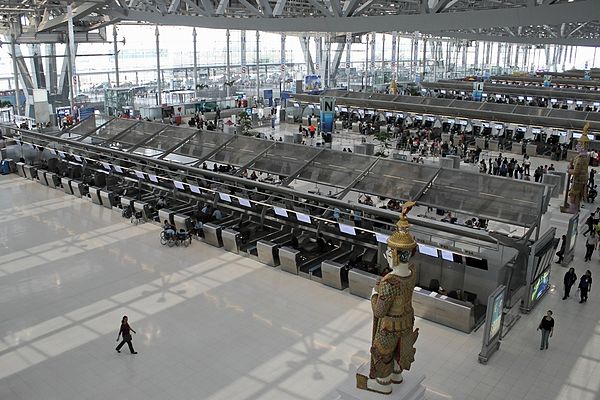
(428,250)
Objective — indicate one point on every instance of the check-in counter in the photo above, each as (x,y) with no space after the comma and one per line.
(339,125)
(361,283)
(53,180)
(127,202)
(444,310)
(268,252)
(107,197)
(182,221)
(30,172)
(288,257)
(79,188)
(143,207)
(21,169)
(493,145)
(95,195)
(480,142)
(231,240)
(212,234)
(41,175)
(355,127)
(66,184)
(334,274)
(531,150)
(165,214)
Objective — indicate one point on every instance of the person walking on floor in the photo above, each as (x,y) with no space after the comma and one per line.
(126,332)
(590,245)
(585,286)
(561,253)
(589,223)
(569,280)
(547,327)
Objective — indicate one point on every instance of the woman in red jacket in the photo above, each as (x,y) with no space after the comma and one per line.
(126,332)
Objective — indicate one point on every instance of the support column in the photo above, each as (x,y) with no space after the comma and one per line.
(517,47)
(329,59)
(158,72)
(372,65)
(383,56)
(394,63)
(243,53)
(318,59)
(476,58)
(257,65)
(283,63)
(348,48)
(73,75)
(195,58)
(367,44)
(16,74)
(116,51)
(227,60)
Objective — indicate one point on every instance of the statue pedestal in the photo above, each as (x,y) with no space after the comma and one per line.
(410,389)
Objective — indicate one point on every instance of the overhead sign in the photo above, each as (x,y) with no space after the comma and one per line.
(478,86)
(327,114)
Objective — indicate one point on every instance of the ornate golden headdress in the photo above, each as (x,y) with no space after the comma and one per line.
(584,139)
(401,239)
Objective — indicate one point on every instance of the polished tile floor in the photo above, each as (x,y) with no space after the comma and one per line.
(213,325)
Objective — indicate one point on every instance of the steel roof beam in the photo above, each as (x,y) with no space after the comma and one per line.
(439,22)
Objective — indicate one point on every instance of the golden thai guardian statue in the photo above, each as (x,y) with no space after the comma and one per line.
(578,169)
(392,347)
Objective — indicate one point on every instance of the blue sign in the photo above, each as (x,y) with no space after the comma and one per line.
(268,97)
(327,114)
(86,112)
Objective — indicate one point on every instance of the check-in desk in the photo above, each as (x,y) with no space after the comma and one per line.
(531,150)
(95,195)
(143,207)
(212,234)
(231,240)
(355,128)
(339,125)
(268,249)
(79,188)
(127,202)
(53,180)
(334,274)
(164,214)
(245,238)
(307,261)
(41,175)
(182,221)
(493,145)
(21,169)
(444,310)
(289,259)
(361,283)
(30,172)
(108,198)
(480,142)
(66,184)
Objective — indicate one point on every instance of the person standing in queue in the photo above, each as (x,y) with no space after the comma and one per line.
(126,332)
(547,327)
(561,253)
(585,286)
(569,280)
(590,245)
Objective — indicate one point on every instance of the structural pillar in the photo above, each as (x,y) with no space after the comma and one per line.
(195,55)
(394,63)
(13,44)
(372,66)
(328,61)
(158,72)
(116,51)
(227,59)
(73,73)
(257,65)
(348,48)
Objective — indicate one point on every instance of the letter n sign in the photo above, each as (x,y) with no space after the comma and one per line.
(327,114)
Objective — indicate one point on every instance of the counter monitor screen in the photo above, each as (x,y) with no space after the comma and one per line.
(498,96)
(451,121)
(195,189)
(400,115)
(498,126)
(388,114)
(296,105)
(117,168)
(311,106)
(476,263)
(139,174)
(370,112)
(153,178)
(447,255)
(596,104)
(245,202)
(344,109)
(381,237)
(521,98)
(569,101)
(536,130)
(179,185)
(347,229)
(463,122)
(430,119)
(428,250)
(486,125)
(484,95)
(419,117)
(303,217)
(442,91)
(553,101)
(225,197)
(529,98)
(282,212)
(579,103)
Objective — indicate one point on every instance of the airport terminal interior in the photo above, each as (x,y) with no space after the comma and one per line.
(299,199)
